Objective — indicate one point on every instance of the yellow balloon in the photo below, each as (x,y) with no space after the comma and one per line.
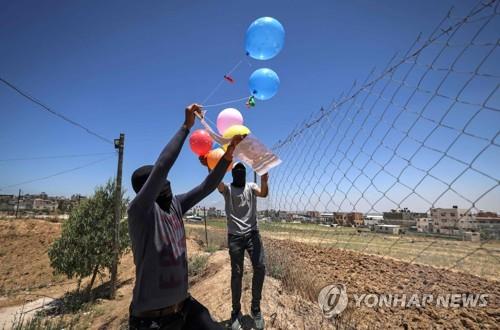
(236,130)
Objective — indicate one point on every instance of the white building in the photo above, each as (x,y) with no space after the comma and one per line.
(327,217)
(388,229)
(424,225)
(371,220)
(452,221)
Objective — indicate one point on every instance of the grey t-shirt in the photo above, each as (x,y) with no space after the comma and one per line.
(159,246)
(158,237)
(241,208)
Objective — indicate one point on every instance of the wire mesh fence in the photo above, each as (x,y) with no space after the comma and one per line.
(424,132)
(422,135)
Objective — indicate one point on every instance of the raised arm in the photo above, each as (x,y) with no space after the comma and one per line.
(263,191)
(203,161)
(212,181)
(146,197)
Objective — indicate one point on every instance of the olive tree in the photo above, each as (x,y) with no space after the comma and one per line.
(85,247)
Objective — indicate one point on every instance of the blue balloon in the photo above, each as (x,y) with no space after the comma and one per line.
(264,83)
(265,38)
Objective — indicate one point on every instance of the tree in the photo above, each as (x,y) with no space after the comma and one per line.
(86,244)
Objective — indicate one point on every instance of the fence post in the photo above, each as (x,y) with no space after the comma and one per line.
(18,200)
(205,218)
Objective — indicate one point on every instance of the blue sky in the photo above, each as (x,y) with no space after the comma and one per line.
(132,67)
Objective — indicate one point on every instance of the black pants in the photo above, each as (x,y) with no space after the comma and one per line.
(194,316)
(237,246)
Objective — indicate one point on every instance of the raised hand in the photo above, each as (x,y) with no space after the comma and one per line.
(191,111)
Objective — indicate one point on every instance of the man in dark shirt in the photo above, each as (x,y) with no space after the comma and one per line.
(160,297)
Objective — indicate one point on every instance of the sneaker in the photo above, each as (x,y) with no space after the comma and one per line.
(235,321)
(258,319)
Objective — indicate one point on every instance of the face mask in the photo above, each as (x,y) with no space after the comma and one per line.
(239,178)
(164,199)
(139,178)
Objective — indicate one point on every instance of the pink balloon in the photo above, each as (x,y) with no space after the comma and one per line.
(227,118)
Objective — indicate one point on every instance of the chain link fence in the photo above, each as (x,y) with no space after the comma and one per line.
(403,165)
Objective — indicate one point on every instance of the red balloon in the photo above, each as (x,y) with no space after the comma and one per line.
(200,142)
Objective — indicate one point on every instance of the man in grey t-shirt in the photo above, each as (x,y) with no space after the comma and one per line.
(160,298)
(243,234)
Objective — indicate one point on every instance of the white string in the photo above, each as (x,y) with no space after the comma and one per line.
(219,84)
(213,91)
(225,103)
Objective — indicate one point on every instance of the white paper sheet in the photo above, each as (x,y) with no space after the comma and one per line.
(250,151)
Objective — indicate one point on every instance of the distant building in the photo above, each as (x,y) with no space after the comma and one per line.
(488,224)
(452,221)
(371,220)
(388,229)
(212,212)
(32,204)
(472,236)
(349,218)
(424,225)
(313,215)
(402,217)
(327,217)
(8,203)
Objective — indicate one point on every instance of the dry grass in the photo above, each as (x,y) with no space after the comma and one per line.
(217,240)
(282,266)
(197,264)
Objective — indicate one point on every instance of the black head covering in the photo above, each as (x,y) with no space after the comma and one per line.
(139,178)
(239,173)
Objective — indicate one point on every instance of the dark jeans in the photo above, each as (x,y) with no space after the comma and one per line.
(194,316)
(237,246)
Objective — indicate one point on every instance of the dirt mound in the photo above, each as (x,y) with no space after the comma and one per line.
(362,273)
(23,256)
(281,309)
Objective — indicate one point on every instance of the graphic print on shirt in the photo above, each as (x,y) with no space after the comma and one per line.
(242,200)
(173,250)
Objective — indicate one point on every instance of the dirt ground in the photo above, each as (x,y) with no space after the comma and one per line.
(371,274)
(283,306)
(25,266)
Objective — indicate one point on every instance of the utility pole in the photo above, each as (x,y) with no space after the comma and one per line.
(205,217)
(119,144)
(18,200)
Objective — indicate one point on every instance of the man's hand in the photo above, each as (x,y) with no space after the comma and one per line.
(191,112)
(230,148)
(203,160)
(263,190)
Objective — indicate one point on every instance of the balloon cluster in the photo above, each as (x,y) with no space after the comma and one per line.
(264,39)
(229,124)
